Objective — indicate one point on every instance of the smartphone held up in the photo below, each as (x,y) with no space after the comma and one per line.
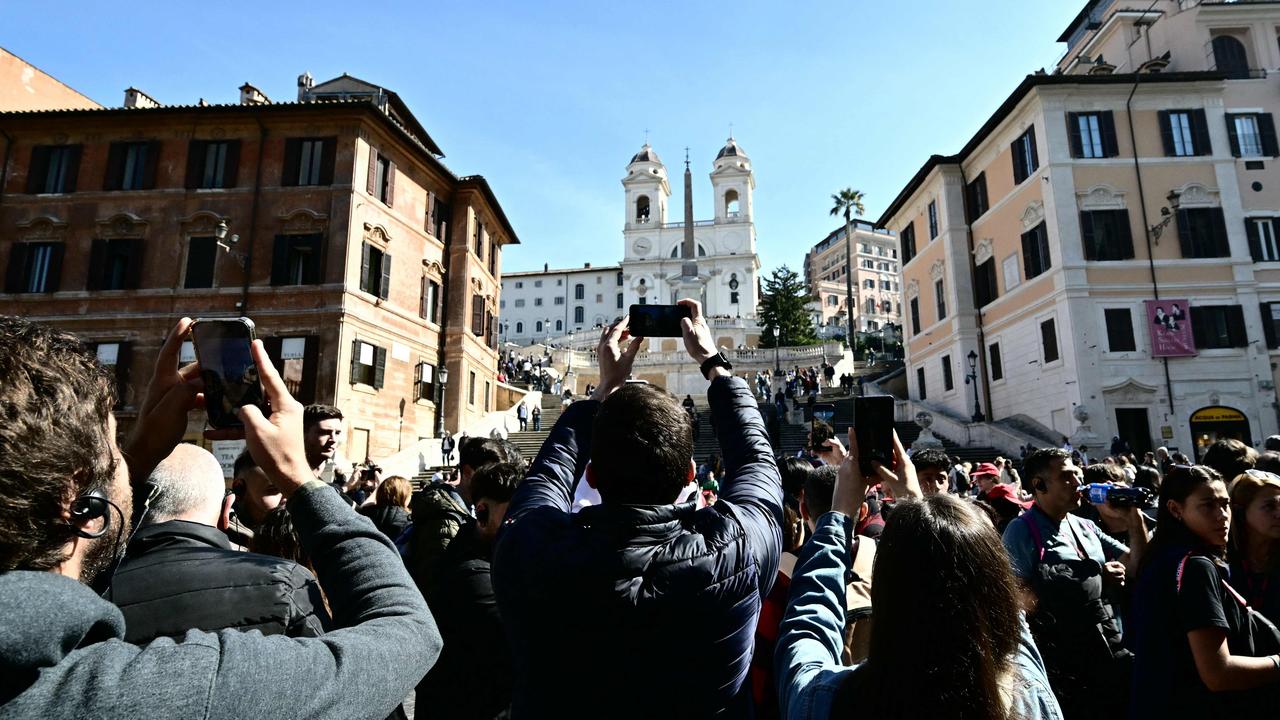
(873,429)
(231,378)
(650,321)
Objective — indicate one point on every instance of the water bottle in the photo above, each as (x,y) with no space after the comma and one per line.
(1116,495)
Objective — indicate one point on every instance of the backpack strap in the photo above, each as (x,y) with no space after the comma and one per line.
(1035,533)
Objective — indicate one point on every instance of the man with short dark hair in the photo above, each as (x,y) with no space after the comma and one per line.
(1271,444)
(1064,560)
(64,520)
(632,593)
(932,466)
(473,677)
(180,572)
(322,429)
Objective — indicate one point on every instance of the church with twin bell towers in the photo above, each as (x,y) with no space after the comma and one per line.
(713,260)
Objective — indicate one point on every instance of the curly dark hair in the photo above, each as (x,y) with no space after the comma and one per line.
(55,405)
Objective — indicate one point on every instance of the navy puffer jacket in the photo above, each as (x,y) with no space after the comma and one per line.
(639,611)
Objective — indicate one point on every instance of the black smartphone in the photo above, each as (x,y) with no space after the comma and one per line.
(657,320)
(230,376)
(820,429)
(873,429)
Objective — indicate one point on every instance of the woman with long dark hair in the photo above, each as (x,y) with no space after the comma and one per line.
(948,639)
(1200,650)
(1255,540)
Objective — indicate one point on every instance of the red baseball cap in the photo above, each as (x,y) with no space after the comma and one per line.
(984,469)
(1006,493)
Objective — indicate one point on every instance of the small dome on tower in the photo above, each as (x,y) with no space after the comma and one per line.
(731,149)
(646,154)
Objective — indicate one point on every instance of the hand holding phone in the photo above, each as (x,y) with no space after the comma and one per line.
(873,425)
(231,377)
(657,320)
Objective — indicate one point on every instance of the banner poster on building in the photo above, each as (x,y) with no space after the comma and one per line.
(1170,324)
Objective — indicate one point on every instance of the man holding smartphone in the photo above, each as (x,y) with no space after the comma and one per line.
(611,590)
(68,520)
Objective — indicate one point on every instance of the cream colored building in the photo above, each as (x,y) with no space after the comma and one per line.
(1036,246)
(877,291)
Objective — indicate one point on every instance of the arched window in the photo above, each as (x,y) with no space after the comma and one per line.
(559,325)
(619,278)
(675,251)
(537,326)
(519,328)
(642,209)
(1230,57)
(731,204)
(579,291)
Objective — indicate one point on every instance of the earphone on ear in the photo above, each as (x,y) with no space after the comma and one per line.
(1041,486)
(92,505)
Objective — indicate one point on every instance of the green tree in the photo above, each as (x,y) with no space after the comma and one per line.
(783,312)
(848,203)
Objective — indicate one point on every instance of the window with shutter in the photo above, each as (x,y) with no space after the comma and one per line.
(1119,330)
(379,367)
(933,219)
(920,386)
(202,254)
(1035,251)
(53,169)
(34,267)
(977,197)
(375,271)
(1184,133)
(131,166)
(477,316)
(940,298)
(1025,159)
(1271,323)
(365,363)
(1202,233)
(915,316)
(908,239)
(948,384)
(997,365)
(1049,340)
(1218,326)
(1106,235)
(985,288)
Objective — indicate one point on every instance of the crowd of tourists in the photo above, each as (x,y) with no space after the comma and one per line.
(610,576)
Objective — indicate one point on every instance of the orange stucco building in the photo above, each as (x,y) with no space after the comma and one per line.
(1140,169)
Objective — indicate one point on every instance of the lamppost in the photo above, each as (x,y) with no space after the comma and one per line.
(972,378)
(442,376)
(733,289)
(777,340)
(1167,212)
(228,243)
(400,432)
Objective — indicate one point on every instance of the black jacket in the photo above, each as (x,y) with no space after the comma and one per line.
(646,611)
(390,520)
(181,575)
(472,679)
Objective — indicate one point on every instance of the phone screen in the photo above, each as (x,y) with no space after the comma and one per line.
(230,377)
(873,429)
(657,320)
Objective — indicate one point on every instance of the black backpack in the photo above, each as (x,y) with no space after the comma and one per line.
(438,515)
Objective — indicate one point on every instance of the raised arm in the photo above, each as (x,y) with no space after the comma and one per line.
(811,637)
(561,460)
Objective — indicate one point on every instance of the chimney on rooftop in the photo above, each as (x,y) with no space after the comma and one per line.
(586,265)
(546,267)
(305,83)
(135,98)
(250,95)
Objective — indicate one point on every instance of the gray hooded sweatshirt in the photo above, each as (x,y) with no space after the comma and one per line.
(62,656)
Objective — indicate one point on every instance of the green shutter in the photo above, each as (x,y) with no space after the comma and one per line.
(379,366)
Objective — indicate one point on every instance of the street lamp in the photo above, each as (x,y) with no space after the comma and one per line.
(777,340)
(226,243)
(442,376)
(400,432)
(972,377)
(1167,212)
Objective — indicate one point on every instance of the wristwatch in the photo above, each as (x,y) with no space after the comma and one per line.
(715,361)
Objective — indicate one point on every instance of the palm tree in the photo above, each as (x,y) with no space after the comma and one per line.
(848,203)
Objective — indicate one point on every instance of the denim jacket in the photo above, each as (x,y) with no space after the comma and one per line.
(808,653)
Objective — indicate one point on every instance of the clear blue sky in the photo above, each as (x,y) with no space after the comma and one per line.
(550,99)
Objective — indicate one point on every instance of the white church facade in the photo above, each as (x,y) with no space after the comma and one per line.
(724,246)
(661,262)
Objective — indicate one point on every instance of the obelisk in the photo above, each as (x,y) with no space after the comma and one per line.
(690,285)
